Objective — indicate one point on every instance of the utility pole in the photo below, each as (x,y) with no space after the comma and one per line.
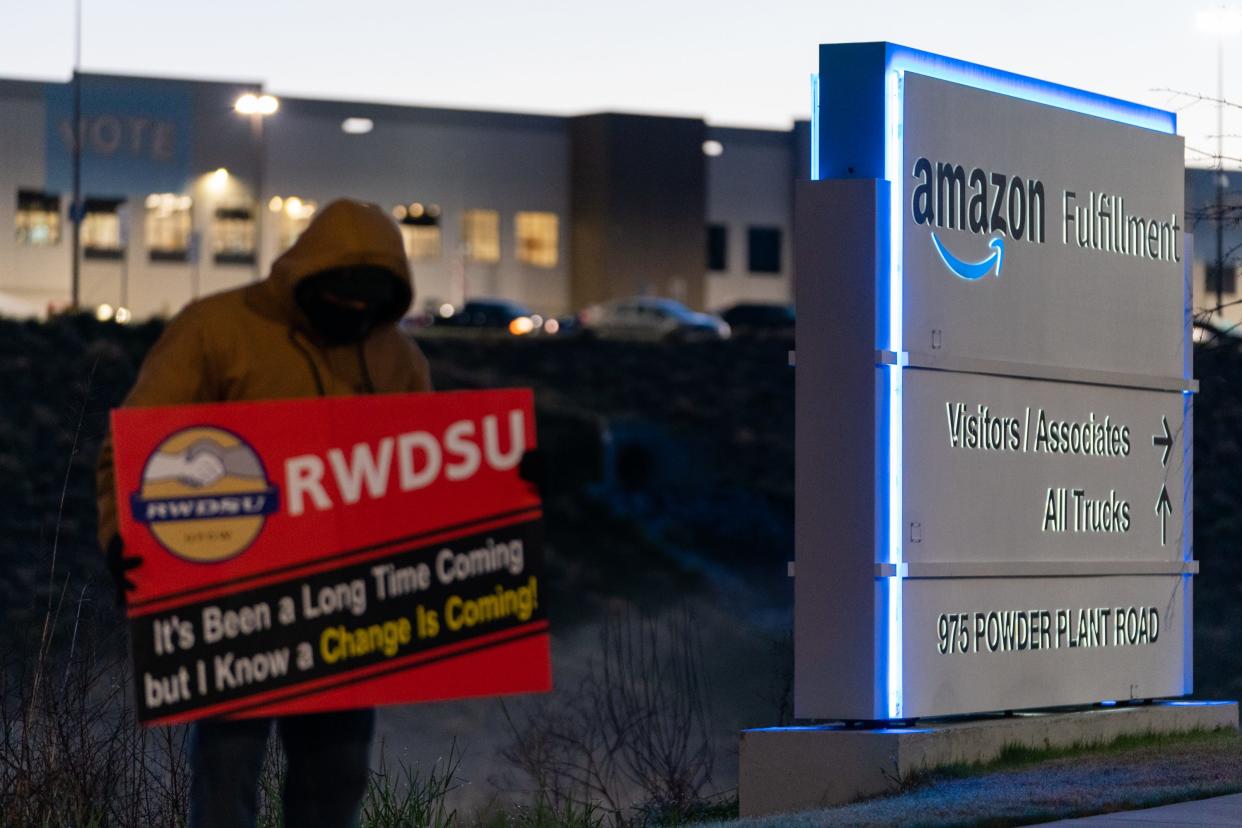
(75,209)
(1220,172)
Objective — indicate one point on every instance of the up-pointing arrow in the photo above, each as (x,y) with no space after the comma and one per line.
(1164,508)
(1166,441)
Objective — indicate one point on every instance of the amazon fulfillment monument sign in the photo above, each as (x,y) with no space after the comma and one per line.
(993,395)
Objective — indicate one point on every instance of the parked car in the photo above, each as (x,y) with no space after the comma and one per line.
(650,318)
(495,315)
(760,319)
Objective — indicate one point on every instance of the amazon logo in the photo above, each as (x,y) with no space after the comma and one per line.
(980,202)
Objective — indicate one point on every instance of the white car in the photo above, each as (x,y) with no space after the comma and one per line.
(651,318)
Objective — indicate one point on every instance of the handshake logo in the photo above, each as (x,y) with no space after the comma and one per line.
(205,495)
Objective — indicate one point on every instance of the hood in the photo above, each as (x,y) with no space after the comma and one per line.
(345,233)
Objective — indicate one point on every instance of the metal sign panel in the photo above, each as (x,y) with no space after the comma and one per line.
(971,643)
(1016,470)
(994,398)
(1032,234)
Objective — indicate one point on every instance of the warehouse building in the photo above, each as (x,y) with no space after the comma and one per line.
(192,187)
(186,193)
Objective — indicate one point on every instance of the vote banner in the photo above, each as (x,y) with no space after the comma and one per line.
(310,555)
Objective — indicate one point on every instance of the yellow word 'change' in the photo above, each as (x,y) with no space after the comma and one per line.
(339,643)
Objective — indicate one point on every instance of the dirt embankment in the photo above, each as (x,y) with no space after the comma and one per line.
(669,483)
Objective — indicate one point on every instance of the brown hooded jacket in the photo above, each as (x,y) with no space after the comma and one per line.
(254,342)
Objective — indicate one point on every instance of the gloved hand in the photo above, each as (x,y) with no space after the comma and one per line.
(532,469)
(120,565)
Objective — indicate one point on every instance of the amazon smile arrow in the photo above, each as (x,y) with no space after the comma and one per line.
(972,271)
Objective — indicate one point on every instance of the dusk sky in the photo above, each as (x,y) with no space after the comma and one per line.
(734,63)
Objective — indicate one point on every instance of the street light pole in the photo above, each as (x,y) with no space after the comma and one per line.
(256,132)
(75,209)
(258,107)
(1220,22)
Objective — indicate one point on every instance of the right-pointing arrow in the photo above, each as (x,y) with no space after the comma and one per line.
(1164,508)
(1166,441)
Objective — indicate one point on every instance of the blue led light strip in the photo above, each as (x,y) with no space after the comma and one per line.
(815,127)
(902,59)
(893,161)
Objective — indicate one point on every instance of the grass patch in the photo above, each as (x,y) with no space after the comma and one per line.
(404,796)
(1017,756)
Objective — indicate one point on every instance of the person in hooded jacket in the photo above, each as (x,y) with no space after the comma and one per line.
(323,323)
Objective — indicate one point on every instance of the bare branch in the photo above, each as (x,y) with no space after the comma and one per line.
(634,734)
(1195,97)
(1213,155)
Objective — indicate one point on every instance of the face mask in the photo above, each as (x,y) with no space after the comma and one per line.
(336,324)
(343,306)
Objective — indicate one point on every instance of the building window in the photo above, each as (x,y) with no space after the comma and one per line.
(764,249)
(169,226)
(38,218)
(480,231)
(536,238)
(101,228)
(1226,278)
(717,247)
(233,236)
(420,229)
(422,242)
(295,216)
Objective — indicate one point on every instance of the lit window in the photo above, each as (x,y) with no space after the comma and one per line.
(101,228)
(420,228)
(169,227)
(764,249)
(295,216)
(717,247)
(421,242)
(233,236)
(38,218)
(480,230)
(536,238)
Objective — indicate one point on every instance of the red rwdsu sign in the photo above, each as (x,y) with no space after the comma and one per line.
(311,555)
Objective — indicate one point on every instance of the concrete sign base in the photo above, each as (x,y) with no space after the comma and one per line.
(786,769)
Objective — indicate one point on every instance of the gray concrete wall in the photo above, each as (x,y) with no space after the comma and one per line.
(639,208)
(751,185)
(459,161)
(37,275)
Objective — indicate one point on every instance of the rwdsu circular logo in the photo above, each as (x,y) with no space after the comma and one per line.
(205,495)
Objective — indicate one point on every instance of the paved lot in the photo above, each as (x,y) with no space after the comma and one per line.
(1219,810)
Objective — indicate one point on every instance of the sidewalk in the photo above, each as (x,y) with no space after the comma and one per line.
(1218,811)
